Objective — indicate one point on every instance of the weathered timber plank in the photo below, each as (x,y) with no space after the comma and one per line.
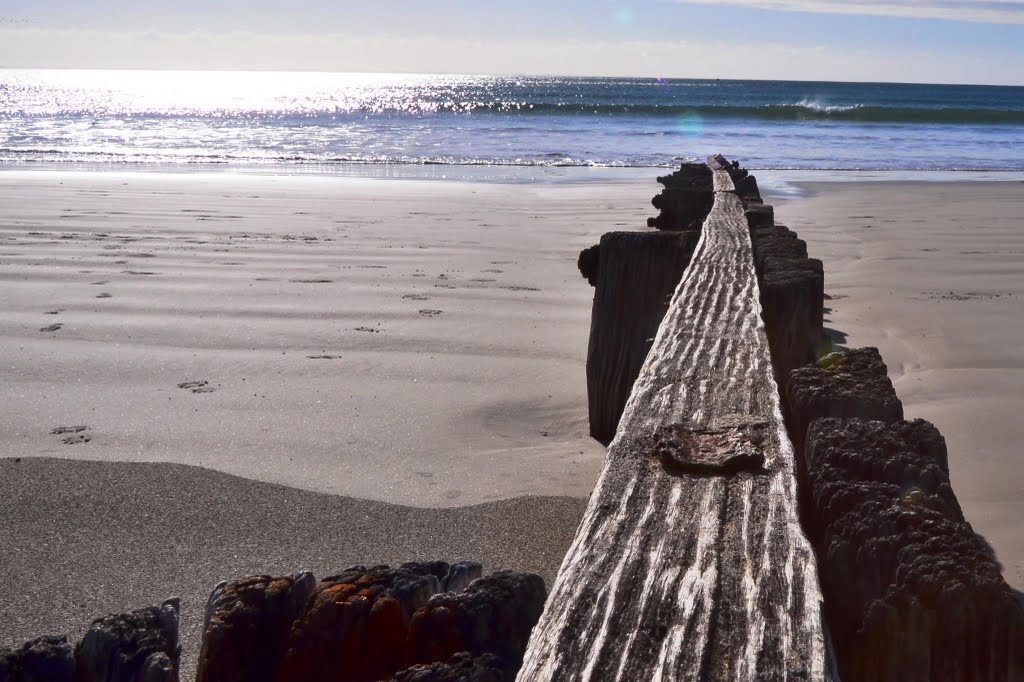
(684,576)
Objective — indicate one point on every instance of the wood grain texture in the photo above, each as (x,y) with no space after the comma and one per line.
(636,276)
(681,576)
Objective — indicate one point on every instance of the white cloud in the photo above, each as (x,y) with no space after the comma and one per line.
(986,11)
(82,48)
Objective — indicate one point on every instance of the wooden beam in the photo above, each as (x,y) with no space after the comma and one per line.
(690,562)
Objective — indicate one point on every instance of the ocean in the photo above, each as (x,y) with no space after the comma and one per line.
(321,122)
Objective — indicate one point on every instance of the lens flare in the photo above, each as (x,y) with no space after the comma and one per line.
(690,124)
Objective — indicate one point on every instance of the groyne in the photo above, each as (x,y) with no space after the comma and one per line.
(676,535)
(690,562)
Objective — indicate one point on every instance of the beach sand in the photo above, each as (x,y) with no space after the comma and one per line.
(419,343)
(367,343)
(286,373)
(933,275)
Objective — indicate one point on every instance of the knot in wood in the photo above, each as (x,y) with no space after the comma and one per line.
(708,452)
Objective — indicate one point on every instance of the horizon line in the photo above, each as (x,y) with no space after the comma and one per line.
(510,74)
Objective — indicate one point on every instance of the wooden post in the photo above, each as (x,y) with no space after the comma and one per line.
(635,276)
(690,562)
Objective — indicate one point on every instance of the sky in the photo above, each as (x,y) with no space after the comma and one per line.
(932,41)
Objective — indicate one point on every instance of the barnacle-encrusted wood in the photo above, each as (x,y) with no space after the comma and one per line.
(690,562)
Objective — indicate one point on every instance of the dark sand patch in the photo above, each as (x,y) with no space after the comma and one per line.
(92,538)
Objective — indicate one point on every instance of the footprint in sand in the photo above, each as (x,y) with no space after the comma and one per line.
(324,357)
(201,386)
(416,297)
(61,430)
(51,327)
(58,311)
(430,313)
(105,295)
(76,439)
(73,435)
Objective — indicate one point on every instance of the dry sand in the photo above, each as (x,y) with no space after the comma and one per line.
(933,275)
(419,343)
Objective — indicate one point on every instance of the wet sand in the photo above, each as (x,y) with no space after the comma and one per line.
(83,539)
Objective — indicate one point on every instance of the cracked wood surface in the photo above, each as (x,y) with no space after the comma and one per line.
(683,574)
